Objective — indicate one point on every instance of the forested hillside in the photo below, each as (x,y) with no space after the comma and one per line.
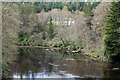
(79,29)
(88,28)
(72,6)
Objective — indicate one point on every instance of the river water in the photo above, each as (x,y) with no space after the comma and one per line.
(43,63)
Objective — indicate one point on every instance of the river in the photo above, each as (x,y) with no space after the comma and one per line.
(44,63)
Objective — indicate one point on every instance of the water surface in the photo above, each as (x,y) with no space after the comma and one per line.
(44,63)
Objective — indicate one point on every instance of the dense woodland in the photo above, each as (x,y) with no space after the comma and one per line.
(85,27)
(72,6)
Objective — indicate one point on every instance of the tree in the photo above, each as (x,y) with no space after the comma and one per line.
(50,29)
(65,8)
(28,17)
(88,9)
(95,4)
(111,39)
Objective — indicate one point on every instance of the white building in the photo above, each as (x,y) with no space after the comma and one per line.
(62,21)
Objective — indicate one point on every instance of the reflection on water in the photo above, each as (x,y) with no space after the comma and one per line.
(41,63)
(58,74)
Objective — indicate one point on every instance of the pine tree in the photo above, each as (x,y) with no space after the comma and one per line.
(50,29)
(88,9)
(111,39)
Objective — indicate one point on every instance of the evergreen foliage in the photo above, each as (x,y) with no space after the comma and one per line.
(24,38)
(111,40)
(72,6)
(88,8)
(51,29)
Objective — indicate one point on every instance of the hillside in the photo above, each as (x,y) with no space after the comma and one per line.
(73,27)
(80,32)
(44,37)
(75,30)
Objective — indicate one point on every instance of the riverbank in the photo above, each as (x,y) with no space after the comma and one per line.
(54,48)
(93,57)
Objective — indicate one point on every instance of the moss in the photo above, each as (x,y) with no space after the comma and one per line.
(94,54)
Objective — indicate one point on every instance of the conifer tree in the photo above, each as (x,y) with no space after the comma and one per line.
(88,9)
(111,40)
(50,29)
